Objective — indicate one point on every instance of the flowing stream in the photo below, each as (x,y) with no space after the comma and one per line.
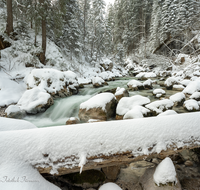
(64,108)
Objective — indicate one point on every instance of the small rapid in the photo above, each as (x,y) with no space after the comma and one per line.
(64,108)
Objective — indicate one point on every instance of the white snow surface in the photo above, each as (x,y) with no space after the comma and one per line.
(168,112)
(191,104)
(33,98)
(165,172)
(99,100)
(57,79)
(8,124)
(92,139)
(10,91)
(110,186)
(160,105)
(19,175)
(178,97)
(12,109)
(193,86)
(128,103)
(136,112)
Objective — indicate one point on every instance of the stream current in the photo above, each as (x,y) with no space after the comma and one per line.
(64,108)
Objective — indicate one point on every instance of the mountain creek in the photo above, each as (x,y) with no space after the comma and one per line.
(64,108)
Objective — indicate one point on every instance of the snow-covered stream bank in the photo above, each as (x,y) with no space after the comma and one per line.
(64,108)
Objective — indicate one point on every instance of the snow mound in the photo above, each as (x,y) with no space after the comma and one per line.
(32,100)
(193,86)
(99,100)
(97,80)
(168,112)
(22,176)
(119,91)
(178,87)
(12,109)
(159,91)
(185,82)
(165,172)
(136,112)
(195,95)
(160,105)
(178,97)
(171,81)
(110,186)
(191,105)
(148,82)
(128,103)
(8,124)
(51,80)
(146,75)
(10,91)
(134,83)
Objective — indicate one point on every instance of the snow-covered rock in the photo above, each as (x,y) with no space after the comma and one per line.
(8,124)
(135,85)
(14,111)
(178,87)
(72,120)
(185,82)
(128,103)
(97,82)
(56,83)
(148,84)
(136,112)
(107,64)
(107,76)
(170,82)
(144,75)
(193,86)
(120,93)
(178,98)
(101,106)
(195,96)
(159,92)
(191,105)
(160,106)
(168,112)
(35,100)
(165,173)
(110,186)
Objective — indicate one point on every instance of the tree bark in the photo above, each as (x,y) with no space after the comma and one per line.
(42,54)
(9,25)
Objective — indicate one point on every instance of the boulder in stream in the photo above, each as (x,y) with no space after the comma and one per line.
(101,107)
(120,93)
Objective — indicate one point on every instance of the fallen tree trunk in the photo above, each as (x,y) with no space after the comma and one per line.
(113,160)
(65,149)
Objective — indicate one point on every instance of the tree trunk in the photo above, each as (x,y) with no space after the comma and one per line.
(42,54)
(9,26)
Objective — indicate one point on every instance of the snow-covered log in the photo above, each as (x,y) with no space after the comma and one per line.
(64,149)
